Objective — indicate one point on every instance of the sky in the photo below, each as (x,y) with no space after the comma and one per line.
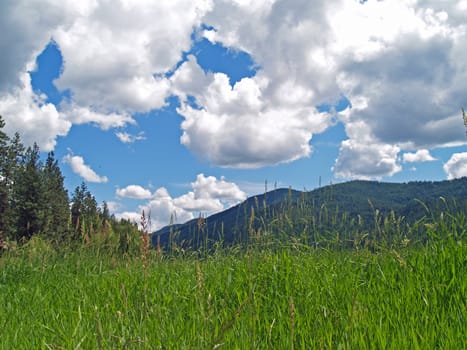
(186,107)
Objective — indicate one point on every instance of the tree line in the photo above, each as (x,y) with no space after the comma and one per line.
(34,201)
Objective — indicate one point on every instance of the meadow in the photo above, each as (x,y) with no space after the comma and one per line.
(279,296)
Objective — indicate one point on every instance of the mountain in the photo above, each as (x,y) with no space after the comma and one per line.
(344,209)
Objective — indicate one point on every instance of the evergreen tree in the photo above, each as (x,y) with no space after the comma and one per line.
(28,198)
(105,214)
(91,210)
(11,154)
(15,157)
(77,206)
(56,205)
(85,213)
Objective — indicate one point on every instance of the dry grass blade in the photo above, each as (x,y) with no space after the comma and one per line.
(292,322)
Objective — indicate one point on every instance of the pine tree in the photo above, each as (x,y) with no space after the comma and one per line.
(105,213)
(91,210)
(56,205)
(28,196)
(84,210)
(77,207)
(11,156)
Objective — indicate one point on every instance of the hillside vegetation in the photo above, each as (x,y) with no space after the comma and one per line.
(345,215)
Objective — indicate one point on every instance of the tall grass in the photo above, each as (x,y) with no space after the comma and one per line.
(290,298)
(388,293)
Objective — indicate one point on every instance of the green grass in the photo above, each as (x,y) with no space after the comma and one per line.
(281,298)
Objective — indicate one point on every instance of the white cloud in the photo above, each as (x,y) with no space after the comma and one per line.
(456,166)
(128,138)
(462,5)
(162,210)
(191,203)
(79,167)
(364,161)
(26,28)
(115,56)
(237,127)
(403,59)
(189,79)
(410,84)
(80,115)
(29,114)
(114,206)
(129,215)
(133,191)
(400,63)
(117,53)
(211,187)
(422,155)
(208,195)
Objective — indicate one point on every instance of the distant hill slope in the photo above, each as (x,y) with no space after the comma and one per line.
(333,207)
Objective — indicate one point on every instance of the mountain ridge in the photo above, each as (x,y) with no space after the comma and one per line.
(319,209)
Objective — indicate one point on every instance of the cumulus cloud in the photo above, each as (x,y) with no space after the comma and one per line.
(366,161)
(410,82)
(208,195)
(422,155)
(115,57)
(80,168)
(113,206)
(211,187)
(401,64)
(36,121)
(238,127)
(26,28)
(133,191)
(162,210)
(456,166)
(117,53)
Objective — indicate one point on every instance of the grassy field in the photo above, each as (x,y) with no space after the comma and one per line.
(282,297)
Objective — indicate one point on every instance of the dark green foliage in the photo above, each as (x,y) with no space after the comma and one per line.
(77,205)
(129,237)
(11,155)
(28,196)
(105,213)
(57,210)
(85,214)
(33,199)
(352,214)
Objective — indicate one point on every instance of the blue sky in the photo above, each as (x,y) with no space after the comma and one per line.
(191,106)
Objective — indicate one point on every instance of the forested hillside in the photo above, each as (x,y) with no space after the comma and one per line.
(347,213)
